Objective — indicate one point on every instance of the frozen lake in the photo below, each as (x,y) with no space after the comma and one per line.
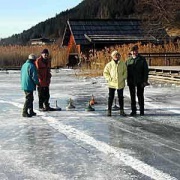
(81,145)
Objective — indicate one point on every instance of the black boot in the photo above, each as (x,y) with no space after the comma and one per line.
(41,107)
(142,112)
(110,101)
(133,113)
(122,113)
(109,112)
(47,107)
(25,111)
(134,109)
(32,113)
(25,114)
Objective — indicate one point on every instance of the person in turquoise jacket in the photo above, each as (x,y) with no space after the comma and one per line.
(115,72)
(29,81)
(137,79)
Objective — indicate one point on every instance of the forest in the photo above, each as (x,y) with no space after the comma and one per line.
(162,12)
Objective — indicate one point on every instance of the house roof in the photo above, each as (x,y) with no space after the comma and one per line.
(105,31)
(40,39)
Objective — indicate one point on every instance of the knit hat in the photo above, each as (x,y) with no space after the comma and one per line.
(32,57)
(45,51)
(114,53)
(134,48)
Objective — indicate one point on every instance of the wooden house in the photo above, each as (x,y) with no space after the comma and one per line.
(41,41)
(97,33)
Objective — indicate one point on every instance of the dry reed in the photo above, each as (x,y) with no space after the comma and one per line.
(15,56)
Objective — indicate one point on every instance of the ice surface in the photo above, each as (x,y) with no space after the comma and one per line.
(88,145)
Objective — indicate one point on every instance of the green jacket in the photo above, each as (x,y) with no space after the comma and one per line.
(137,70)
(115,74)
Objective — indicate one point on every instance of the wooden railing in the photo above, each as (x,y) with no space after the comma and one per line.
(167,57)
(6,68)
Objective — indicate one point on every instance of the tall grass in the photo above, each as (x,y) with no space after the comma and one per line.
(101,58)
(15,56)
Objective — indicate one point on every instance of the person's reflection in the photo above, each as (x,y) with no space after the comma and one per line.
(41,145)
(116,135)
(30,134)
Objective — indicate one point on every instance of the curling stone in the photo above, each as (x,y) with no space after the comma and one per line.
(92,101)
(70,106)
(89,108)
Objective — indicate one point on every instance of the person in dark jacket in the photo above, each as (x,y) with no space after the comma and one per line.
(137,79)
(29,80)
(43,65)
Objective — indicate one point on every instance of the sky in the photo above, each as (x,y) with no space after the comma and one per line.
(20,15)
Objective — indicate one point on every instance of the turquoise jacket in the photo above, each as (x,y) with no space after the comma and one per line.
(115,74)
(29,77)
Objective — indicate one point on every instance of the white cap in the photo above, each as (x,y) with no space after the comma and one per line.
(114,53)
(32,57)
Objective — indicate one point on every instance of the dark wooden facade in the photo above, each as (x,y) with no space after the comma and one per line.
(98,33)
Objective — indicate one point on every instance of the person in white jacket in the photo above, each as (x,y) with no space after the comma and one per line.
(115,72)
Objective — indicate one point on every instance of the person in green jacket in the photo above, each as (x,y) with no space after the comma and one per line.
(137,79)
(29,81)
(115,72)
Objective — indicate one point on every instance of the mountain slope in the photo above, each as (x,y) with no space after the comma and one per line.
(87,9)
(101,9)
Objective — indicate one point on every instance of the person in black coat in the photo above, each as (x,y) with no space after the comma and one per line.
(137,79)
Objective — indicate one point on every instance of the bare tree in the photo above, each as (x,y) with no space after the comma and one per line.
(158,15)
(164,11)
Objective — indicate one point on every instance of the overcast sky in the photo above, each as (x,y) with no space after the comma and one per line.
(16,16)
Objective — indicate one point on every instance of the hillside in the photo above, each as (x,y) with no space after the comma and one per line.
(102,9)
(87,9)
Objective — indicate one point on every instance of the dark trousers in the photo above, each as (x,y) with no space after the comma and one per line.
(111,98)
(43,94)
(29,98)
(140,96)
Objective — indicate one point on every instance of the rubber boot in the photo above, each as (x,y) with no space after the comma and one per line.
(109,112)
(32,113)
(48,108)
(122,113)
(110,102)
(121,104)
(133,107)
(133,113)
(41,108)
(25,110)
(25,114)
(141,111)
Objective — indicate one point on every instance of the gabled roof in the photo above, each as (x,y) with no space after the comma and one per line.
(105,31)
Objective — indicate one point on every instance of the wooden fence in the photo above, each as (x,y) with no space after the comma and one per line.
(168,59)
